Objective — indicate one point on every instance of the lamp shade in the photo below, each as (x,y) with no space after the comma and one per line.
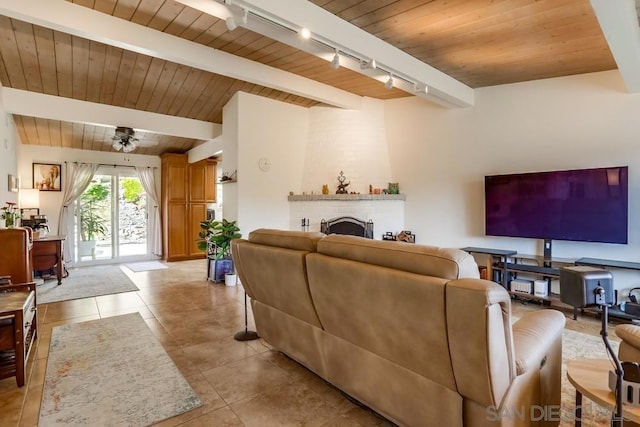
(29,198)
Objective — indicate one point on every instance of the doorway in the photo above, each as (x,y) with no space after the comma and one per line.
(111,220)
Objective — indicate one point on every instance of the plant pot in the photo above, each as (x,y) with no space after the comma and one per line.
(87,248)
(222,267)
(230,279)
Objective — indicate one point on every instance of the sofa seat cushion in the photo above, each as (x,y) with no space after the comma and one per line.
(419,259)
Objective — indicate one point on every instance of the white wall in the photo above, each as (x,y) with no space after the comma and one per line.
(268,129)
(441,156)
(353,141)
(8,155)
(51,201)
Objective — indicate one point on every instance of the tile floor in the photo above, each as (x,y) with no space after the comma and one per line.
(240,383)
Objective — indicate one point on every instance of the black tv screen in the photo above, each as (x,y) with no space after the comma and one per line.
(588,205)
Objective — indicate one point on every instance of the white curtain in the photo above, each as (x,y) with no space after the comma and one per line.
(78,176)
(148,180)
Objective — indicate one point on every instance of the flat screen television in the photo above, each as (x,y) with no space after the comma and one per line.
(588,205)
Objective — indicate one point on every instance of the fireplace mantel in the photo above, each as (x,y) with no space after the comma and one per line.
(344,197)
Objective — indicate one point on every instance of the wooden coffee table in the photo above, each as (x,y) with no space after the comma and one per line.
(590,377)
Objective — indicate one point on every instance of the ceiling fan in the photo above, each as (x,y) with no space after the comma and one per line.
(124,139)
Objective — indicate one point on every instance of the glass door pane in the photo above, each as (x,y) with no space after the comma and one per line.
(93,220)
(132,217)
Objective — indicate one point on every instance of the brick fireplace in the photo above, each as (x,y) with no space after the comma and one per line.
(386,211)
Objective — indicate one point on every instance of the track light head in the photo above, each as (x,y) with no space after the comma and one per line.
(368,65)
(236,19)
(305,33)
(420,89)
(231,23)
(335,62)
(389,83)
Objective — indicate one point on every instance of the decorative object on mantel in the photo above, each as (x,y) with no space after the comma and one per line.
(228,177)
(342,187)
(394,188)
(10,214)
(325,189)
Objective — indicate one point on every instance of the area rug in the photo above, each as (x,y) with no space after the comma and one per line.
(145,266)
(576,345)
(84,283)
(111,372)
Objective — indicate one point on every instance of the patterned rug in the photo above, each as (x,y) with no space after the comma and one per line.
(111,372)
(576,345)
(84,283)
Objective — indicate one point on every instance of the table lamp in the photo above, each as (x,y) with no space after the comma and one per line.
(29,199)
(583,286)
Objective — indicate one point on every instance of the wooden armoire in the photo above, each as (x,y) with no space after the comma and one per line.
(187,188)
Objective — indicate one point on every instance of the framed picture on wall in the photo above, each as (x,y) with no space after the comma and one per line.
(47,177)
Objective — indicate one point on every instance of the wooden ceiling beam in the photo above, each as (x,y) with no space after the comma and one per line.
(51,107)
(619,22)
(92,25)
(337,33)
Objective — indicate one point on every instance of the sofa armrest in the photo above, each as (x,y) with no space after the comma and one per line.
(533,335)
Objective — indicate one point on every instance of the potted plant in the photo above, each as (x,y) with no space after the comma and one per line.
(92,224)
(10,214)
(216,237)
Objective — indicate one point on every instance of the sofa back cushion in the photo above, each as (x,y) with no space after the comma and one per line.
(276,274)
(391,313)
(480,338)
(298,240)
(418,259)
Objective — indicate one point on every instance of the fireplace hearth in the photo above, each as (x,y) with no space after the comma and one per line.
(347,225)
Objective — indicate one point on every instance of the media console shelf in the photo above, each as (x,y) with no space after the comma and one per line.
(506,264)
(497,256)
(597,262)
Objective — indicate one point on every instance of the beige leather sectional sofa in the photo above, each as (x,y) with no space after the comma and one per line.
(408,330)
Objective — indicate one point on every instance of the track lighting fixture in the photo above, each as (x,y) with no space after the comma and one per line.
(233,20)
(335,63)
(305,33)
(389,83)
(368,65)
(419,88)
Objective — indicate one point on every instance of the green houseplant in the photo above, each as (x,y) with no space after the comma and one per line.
(216,237)
(92,223)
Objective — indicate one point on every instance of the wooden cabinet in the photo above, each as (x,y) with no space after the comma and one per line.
(186,190)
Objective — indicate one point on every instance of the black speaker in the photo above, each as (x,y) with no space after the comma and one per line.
(578,286)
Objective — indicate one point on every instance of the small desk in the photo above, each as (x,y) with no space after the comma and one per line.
(590,377)
(47,253)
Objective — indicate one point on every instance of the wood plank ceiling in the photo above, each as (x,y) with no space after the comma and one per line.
(478,42)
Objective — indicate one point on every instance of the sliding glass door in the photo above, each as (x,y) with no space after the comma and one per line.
(111,221)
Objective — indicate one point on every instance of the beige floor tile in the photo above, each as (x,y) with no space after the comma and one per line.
(290,404)
(223,417)
(217,352)
(246,378)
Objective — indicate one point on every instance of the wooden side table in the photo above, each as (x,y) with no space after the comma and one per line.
(18,330)
(590,377)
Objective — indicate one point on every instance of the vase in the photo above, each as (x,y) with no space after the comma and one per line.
(10,222)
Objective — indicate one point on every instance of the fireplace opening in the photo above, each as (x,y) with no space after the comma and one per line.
(347,225)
